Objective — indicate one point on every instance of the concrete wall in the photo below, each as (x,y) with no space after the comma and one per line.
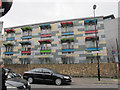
(111,33)
(106,69)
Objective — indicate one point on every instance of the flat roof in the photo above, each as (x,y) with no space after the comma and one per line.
(51,22)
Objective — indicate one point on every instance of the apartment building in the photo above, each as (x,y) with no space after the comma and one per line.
(64,42)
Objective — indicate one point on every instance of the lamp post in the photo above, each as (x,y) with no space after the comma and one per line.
(98,68)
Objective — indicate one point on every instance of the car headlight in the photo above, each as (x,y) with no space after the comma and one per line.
(10,87)
(66,77)
(28,83)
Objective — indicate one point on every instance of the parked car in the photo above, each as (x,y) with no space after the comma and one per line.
(46,74)
(14,82)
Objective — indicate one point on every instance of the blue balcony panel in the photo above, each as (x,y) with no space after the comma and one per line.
(67,33)
(67,50)
(26,37)
(9,52)
(10,39)
(91,49)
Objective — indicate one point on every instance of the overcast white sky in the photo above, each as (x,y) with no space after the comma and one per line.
(25,12)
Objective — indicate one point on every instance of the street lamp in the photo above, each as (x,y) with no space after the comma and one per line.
(98,68)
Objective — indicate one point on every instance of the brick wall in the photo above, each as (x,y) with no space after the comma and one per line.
(79,70)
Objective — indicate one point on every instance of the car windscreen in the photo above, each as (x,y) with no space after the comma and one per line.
(11,75)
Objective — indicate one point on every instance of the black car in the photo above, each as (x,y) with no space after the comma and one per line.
(15,82)
(45,74)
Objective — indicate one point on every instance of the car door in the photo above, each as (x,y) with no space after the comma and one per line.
(38,74)
(47,75)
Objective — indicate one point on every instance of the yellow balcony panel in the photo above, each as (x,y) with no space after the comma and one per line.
(32,46)
(15,50)
(14,54)
(102,42)
(82,32)
(60,47)
(85,52)
(53,50)
(72,55)
(79,38)
(58,34)
(42,56)
(82,21)
(23,56)
(54,27)
(19,47)
(75,46)
(99,30)
(17,30)
(83,43)
(19,40)
(55,42)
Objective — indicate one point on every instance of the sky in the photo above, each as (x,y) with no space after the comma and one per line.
(24,12)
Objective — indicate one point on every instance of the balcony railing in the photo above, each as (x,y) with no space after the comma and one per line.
(92,49)
(47,35)
(44,51)
(89,32)
(26,52)
(26,37)
(91,38)
(67,50)
(10,38)
(9,52)
(67,33)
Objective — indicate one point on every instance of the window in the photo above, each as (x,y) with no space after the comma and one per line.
(46,71)
(9,48)
(67,27)
(68,60)
(27,33)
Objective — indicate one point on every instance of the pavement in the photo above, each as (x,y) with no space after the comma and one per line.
(82,83)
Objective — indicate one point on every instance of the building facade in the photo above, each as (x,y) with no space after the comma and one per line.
(67,42)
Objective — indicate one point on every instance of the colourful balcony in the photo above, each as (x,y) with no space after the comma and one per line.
(44,41)
(90,22)
(67,40)
(26,28)
(92,49)
(67,50)
(9,53)
(44,51)
(45,26)
(67,33)
(8,44)
(10,39)
(89,32)
(26,37)
(9,30)
(91,38)
(47,35)
(66,24)
(25,42)
(26,52)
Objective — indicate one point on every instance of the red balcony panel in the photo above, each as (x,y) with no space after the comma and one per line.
(48,35)
(44,41)
(69,22)
(9,30)
(91,37)
(26,51)
(93,31)
(63,23)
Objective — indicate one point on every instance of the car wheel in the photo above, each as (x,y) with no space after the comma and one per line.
(58,81)
(30,80)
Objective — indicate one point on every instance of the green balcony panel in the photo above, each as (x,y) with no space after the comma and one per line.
(43,51)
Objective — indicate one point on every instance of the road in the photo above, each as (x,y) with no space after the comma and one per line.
(82,83)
